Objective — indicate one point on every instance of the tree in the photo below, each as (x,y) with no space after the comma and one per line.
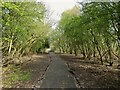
(23,29)
(93,32)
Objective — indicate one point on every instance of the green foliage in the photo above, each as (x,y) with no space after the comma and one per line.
(14,75)
(23,28)
(92,32)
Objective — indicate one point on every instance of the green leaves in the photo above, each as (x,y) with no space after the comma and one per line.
(87,30)
(23,27)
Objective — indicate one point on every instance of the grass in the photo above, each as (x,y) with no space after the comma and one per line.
(13,75)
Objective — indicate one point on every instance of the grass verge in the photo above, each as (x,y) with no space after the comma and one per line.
(13,75)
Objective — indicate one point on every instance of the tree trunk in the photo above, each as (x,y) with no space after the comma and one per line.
(10,45)
(109,51)
(70,51)
(99,54)
(83,52)
(75,52)
(96,44)
(60,50)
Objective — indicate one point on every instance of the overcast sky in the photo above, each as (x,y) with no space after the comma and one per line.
(57,7)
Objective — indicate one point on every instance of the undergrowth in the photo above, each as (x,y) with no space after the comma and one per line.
(13,75)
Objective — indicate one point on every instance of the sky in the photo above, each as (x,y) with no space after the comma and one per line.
(57,7)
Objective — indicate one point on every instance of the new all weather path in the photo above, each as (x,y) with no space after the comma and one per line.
(57,74)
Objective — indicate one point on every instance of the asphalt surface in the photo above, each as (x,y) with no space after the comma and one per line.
(57,74)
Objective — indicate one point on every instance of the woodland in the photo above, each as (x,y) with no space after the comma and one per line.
(90,30)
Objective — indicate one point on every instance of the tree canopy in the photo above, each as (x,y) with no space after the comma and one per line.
(23,29)
(92,30)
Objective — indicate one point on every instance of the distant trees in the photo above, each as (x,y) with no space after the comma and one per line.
(92,31)
(23,29)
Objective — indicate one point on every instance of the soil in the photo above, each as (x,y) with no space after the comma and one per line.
(90,74)
(37,66)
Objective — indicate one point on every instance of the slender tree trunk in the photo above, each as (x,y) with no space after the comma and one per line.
(99,54)
(10,45)
(70,51)
(94,52)
(60,50)
(88,52)
(63,50)
(83,51)
(14,52)
(109,51)
(75,52)
(96,44)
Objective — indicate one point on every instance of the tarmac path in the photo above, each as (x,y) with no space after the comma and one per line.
(57,74)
